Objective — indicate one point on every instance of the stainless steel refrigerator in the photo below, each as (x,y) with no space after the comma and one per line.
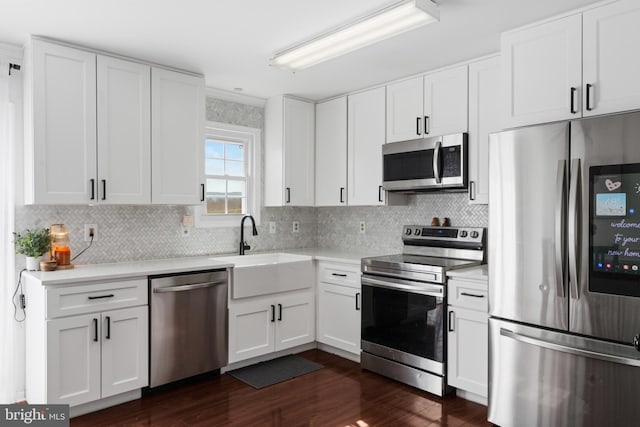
(564,274)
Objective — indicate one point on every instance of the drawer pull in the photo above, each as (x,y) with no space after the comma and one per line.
(339,274)
(466,294)
(102,296)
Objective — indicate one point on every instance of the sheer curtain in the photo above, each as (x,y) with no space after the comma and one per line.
(8,327)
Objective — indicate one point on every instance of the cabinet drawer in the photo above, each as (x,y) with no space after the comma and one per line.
(468,294)
(90,298)
(339,274)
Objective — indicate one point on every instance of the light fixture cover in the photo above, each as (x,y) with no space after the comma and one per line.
(384,23)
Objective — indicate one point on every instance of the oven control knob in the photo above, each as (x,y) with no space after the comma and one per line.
(636,342)
(417,232)
(474,234)
(464,233)
(408,232)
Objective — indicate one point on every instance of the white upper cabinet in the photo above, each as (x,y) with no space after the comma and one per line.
(331,152)
(542,69)
(573,67)
(88,126)
(445,101)
(124,131)
(430,105)
(60,131)
(485,114)
(611,36)
(289,152)
(365,138)
(177,129)
(404,110)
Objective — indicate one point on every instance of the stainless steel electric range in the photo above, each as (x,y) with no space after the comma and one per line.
(404,303)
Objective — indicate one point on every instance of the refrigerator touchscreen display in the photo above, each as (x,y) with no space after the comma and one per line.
(615,229)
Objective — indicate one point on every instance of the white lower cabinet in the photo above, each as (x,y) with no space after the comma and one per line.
(97,355)
(468,337)
(468,350)
(93,354)
(263,325)
(339,304)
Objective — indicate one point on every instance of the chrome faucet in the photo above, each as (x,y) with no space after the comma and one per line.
(243,244)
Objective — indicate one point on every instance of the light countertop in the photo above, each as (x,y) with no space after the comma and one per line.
(479,272)
(118,270)
(110,271)
(333,255)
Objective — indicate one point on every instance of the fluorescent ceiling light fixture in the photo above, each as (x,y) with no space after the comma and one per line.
(382,24)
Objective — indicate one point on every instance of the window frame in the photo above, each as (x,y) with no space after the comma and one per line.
(252,138)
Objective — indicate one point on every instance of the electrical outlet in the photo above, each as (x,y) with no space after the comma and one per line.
(272,227)
(362,227)
(296,226)
(90,229)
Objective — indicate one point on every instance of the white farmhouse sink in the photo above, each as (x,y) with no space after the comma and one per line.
(263,274)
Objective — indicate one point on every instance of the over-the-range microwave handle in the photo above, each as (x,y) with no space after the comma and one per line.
(591,354)
(436,162)
(560,229)
(434,291)
(574,224)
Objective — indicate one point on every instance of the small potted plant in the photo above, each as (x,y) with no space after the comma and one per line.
(33,244)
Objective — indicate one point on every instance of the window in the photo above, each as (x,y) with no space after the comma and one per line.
(231,163)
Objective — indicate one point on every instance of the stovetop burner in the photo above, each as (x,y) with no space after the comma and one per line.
(429,252)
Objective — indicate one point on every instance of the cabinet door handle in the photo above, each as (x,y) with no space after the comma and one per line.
(288,194)
(93,189)
(358,301)
(273,313)
(380,193)
(472,187)
(588,94)
(108,334)
(341,194)
(202,192)
(279,312)
(573,100)
(427,121)
(338,274)
(104,189)
(467,294)
(418,127)
(102,296)
(95,330)
(451,319)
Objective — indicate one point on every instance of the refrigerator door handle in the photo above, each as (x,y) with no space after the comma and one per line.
(560,232)
(575,215)
(591,354)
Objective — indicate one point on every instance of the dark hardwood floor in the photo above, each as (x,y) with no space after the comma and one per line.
(340,394)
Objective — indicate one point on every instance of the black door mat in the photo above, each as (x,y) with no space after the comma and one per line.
(271,372)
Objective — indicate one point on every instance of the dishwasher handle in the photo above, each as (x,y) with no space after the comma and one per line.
(188,287)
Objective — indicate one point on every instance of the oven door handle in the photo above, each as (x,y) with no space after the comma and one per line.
(435,291)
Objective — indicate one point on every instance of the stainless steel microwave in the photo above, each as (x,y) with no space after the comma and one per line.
(427,164)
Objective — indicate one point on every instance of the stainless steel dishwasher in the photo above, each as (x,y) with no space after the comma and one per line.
(188,325)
